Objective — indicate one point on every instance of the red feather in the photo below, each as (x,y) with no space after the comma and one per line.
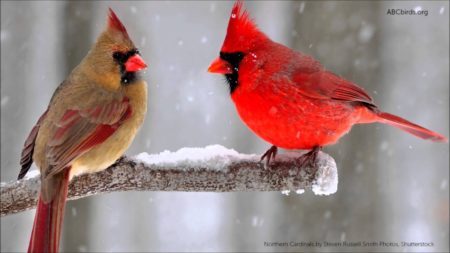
(115,23)
(80,130)
(326,85)
(101,133)
(410,127)
(48,220)
(242,31)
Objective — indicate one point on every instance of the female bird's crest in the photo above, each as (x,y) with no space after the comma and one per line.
(115,24)
(115,37)
(242,33)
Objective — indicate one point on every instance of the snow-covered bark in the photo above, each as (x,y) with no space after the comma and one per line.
(210,169)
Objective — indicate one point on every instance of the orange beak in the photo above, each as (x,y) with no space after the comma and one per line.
(135,63)
(219,66)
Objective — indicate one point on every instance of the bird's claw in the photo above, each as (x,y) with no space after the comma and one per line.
(269,155)
(308,160)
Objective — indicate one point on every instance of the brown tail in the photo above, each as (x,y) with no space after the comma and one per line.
(411,128)
(48,219)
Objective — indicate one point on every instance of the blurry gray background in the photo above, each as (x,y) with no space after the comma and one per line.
(392,186)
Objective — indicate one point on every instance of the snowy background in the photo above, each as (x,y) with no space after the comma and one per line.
(392,186)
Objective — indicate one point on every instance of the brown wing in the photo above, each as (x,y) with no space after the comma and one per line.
(26,158)
(80,130)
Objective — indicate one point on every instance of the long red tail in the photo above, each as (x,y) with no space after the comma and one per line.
(48,219)
(411,128)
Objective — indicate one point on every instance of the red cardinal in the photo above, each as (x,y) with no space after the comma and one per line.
(91,120)
(288,98)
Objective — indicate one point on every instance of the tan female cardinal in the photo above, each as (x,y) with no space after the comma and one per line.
(288,98)
(91,120)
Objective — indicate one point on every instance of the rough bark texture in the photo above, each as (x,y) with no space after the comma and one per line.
(129,175)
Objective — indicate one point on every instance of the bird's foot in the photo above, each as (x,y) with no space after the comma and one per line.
(269,155)
(308,160)
(121,159)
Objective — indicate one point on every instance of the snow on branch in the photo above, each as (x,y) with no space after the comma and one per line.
(210,169)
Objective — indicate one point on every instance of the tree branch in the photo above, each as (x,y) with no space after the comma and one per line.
(211,169)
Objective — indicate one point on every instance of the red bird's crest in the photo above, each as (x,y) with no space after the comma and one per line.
(115,24)
(242,32)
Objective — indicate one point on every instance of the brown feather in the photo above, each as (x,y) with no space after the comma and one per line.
(26,158)
(76,127)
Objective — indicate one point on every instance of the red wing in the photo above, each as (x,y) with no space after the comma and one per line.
(79,130)
(26,158)
(326,85)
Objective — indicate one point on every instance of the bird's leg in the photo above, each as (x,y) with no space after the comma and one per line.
(269,155)
(309,159)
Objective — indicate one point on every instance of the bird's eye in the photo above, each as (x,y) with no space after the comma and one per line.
(118,56)
(233,58)
(133,52)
